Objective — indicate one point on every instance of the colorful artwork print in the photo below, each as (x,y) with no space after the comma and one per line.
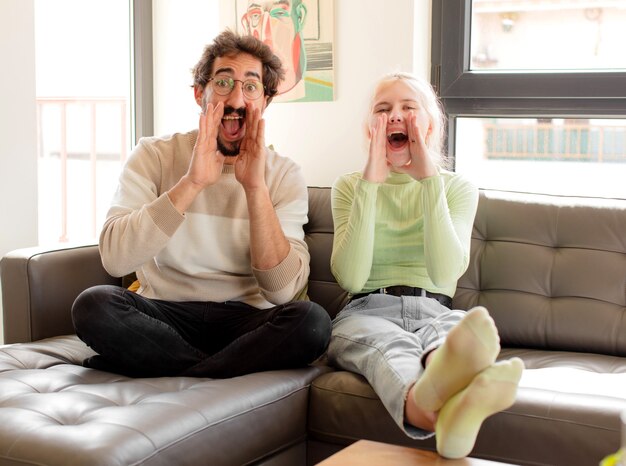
(300,32)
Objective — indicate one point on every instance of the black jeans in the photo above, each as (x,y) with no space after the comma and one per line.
(143,337)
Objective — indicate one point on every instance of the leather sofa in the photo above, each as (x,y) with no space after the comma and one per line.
(551,270)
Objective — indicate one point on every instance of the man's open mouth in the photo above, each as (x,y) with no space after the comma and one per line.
(233,122)
(232,125)
(397,139)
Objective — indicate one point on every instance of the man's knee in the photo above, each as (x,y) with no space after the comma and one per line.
(314,327)
(91,305)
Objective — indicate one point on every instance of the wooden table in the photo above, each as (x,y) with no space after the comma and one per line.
(367,453)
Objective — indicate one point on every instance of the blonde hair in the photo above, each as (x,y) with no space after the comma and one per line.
(428,99)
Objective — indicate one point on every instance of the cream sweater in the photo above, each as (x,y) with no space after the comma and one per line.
(203,255)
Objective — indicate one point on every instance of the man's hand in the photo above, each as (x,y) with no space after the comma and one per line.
(250,164)
(421,165)
(206,163)
(377,168)
(268,245)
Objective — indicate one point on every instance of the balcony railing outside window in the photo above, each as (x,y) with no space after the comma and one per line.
(82,145)
(561,156)
(547,141)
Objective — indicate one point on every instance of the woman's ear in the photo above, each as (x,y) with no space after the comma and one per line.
(429,131)
(367,129)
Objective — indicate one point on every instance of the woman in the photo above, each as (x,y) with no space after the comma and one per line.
(402,240)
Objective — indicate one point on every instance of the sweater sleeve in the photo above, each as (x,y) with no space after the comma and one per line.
(284,282)
(354,216)
(448,219)
(141,220)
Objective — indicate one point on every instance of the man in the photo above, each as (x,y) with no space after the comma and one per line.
(279,24)
(211,221)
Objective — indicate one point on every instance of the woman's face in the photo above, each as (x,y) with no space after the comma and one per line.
(399,100)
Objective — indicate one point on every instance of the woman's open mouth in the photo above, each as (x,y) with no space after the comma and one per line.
(397,140)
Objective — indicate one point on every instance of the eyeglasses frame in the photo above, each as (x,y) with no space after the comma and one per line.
(242,88)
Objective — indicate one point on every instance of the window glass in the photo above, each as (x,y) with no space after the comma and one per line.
(581,157)
(548,35)
(83,86)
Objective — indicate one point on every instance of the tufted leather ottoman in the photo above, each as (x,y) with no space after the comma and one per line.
(56,412)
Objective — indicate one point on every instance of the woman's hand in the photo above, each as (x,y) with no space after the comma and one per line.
(377,169)
(421,165)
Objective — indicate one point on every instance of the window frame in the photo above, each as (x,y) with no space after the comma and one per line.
(142,74)
(466,93)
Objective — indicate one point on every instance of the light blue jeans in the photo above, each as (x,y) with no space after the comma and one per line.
(385,338)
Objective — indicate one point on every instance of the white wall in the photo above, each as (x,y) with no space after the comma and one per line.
(422,34)
(325,138)
(180,31)
(18,150)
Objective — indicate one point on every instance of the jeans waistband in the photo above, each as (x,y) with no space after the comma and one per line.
(401,290)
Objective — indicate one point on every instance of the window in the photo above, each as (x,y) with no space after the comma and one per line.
(535,93)
(85,109)
(547,35)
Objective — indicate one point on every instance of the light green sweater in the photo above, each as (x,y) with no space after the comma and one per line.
(402,231)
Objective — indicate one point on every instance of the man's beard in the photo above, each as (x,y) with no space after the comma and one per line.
(231,151)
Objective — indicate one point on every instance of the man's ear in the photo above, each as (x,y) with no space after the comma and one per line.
(300,17)
(198,93)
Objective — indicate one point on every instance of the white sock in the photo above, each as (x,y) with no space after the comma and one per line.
(459,421)
(470,347)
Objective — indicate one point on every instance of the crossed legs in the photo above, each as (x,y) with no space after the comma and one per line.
(143,337)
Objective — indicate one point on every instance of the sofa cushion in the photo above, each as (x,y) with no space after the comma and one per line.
(56,412)
(323,289)
(551,271)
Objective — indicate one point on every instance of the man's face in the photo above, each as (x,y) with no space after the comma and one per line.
(278,24)
(241,67)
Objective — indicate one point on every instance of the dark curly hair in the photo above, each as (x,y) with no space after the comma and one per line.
(229,43)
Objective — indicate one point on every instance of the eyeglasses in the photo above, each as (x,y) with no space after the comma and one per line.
(224,85)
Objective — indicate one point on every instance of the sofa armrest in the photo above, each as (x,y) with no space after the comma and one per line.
(39,286)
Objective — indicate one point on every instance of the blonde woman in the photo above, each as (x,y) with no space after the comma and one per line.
(402,240)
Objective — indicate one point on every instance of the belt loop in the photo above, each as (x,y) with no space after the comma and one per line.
(424,295)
